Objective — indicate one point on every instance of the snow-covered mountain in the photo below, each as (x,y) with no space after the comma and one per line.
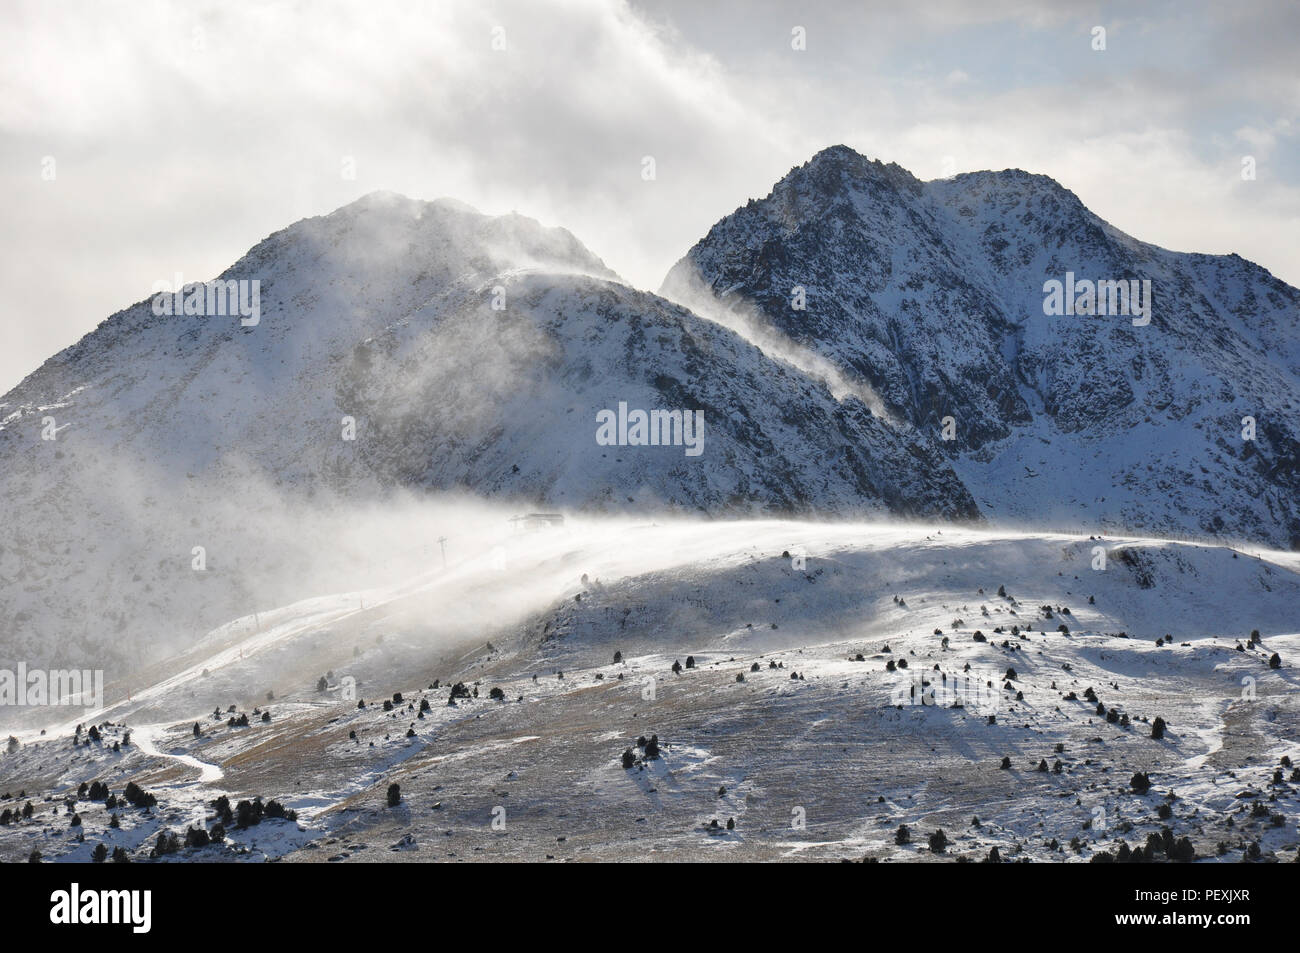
(243,524)
(399,346)
(932,295)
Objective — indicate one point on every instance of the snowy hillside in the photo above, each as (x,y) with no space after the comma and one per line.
(816,706)
(931,295)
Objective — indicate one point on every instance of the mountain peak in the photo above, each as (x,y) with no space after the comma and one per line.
(987,185)
(931,295)
(837,169)
(386,200)
(391,232)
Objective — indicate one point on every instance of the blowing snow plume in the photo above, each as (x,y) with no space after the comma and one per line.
(685,286)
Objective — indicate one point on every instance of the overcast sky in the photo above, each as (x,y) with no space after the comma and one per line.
(182,134)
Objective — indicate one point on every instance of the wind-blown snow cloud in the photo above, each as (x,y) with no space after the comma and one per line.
(141,140)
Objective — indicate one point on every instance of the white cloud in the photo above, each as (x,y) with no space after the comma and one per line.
(184,133)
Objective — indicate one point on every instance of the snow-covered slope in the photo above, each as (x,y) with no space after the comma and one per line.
(506,404)
(821,709)
(932,296)
(402,346)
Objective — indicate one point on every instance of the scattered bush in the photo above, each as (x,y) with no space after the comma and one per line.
(277,811)
(224,814)
(168,843)
(136,796)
